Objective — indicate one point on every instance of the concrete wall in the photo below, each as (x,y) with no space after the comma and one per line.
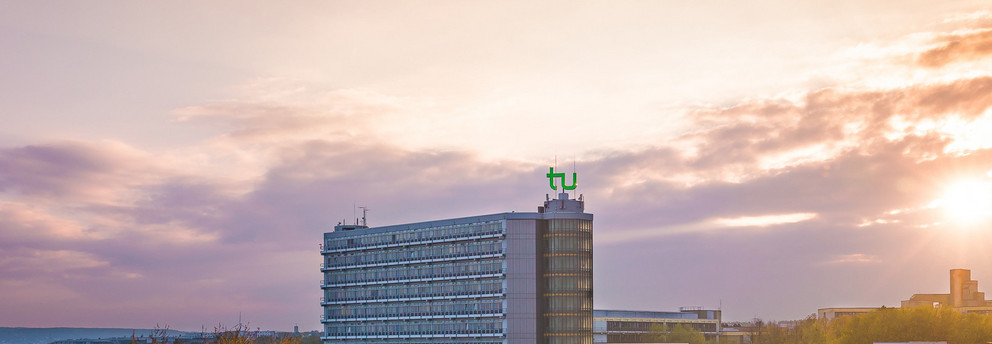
(521,281)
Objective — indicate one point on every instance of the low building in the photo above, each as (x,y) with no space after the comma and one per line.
(963,297)
(835,312)
(619,326)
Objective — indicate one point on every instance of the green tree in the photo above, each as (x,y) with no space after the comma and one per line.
(679,333)
(310,340)
(685,334)
(883,325)
(657,333)
(810,331)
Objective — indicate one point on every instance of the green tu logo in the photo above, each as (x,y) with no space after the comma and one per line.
(551,179)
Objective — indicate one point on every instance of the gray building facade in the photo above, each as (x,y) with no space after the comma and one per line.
(503,278)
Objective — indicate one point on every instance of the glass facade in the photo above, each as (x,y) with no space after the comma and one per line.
(567,276)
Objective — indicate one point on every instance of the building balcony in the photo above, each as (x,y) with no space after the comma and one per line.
(415,317)
(412,280)
(415,261)
(413,243)
(415,298)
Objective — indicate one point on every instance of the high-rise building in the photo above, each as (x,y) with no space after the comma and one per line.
(511,278)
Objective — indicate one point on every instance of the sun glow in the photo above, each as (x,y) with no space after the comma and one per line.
(967,202)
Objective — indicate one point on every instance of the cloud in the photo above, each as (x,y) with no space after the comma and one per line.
(827,122)
(708,226)
(764,220)
(19,262)
(26,225)
(963,46)
(854,258)
(270,111)
(74,170)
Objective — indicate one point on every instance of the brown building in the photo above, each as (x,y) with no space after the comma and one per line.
(963,297)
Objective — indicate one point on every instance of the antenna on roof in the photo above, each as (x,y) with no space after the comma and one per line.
(364,211)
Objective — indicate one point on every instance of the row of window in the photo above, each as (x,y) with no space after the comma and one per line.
(647,326)
(401,291)
(415,327)
(563,284)
(569,244)
(571,323)
(569,225)
(410,236)
(571,303)
(436,270)
(571,263)
(410,309)
(414,253)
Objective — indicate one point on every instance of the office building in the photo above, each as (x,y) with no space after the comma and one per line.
(616,326)
(514,277)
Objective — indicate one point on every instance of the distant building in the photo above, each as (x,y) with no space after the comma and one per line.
(617,326)
(833,313)
(181,338)
(514,277)
(963,297)
(118,340)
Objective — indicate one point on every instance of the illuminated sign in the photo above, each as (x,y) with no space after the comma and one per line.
(551,179)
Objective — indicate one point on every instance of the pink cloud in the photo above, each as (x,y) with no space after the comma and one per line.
(958,47)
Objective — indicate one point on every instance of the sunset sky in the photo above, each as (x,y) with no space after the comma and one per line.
(177,162)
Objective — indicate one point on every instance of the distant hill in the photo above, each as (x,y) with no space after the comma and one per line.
(29,335)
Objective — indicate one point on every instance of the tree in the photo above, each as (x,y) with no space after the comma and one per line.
(310,340)
(240,334)
(685,334)
(657,333)
(676,334)
(160,335)
(883,325)
(810,331)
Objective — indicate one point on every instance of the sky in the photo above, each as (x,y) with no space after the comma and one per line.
(176,163)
